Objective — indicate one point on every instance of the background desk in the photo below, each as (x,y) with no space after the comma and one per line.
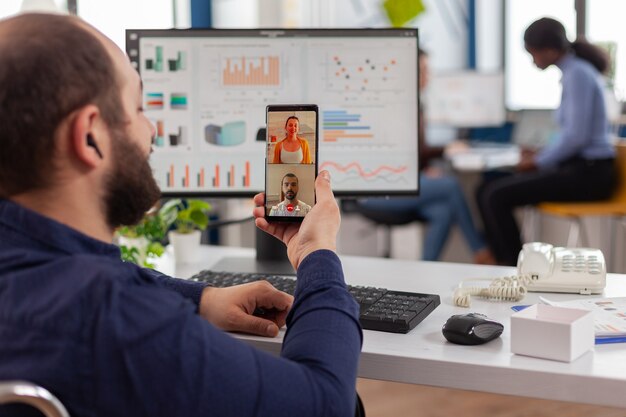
(424,357)
(485,156)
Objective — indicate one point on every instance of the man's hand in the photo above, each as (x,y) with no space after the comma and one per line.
(317,231)
(527,161)
(456,147)
(433,172)
(231,308)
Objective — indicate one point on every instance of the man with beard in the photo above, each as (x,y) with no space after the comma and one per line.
(290,205)
(110,338)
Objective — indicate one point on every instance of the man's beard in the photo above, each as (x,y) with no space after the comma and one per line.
(130,188)
(290,196)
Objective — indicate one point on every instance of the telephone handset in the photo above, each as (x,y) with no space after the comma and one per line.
(557,269)
(541,267)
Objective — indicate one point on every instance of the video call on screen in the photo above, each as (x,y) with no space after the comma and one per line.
(290,174)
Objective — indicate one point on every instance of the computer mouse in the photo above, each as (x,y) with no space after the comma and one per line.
(471,329)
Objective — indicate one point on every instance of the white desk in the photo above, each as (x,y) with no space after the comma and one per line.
(484,156)
(424,357)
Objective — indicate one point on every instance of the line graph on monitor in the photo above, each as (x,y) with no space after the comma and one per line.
(357,172)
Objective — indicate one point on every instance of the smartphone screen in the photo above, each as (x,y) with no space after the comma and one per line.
(290,161)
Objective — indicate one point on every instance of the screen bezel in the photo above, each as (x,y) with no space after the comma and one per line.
(132,49)
(290,108)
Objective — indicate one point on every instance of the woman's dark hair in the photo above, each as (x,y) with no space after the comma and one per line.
(291,118)
(596,56)
(547,33)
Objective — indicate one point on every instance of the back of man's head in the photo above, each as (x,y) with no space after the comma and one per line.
(50,66)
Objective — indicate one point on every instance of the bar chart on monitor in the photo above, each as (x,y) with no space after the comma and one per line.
(363,127)
(165,57)
(250,75)
(258,71)
(185,175)
(344,126)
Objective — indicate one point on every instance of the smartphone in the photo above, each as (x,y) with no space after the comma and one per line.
(290,161)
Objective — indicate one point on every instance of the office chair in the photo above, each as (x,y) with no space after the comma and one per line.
(615,207)
(33,395)
(360,408)
(380,218)
(14,392)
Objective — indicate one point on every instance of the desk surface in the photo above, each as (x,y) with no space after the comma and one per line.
(485,156)
(424,357)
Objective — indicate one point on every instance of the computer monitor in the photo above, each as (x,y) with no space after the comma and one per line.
(535,128)
(206,93)
(466,99)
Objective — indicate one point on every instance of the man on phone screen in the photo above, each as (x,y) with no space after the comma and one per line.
(290,206)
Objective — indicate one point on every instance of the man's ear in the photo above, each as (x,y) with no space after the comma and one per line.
(88,136)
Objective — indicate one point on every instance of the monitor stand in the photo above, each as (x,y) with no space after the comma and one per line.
(271,258)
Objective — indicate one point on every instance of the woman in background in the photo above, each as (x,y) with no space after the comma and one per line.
(440,203)
(579,164)
(292,149)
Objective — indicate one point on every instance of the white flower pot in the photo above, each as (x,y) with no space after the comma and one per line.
(186,246)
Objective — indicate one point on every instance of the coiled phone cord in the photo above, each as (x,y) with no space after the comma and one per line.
(512,288)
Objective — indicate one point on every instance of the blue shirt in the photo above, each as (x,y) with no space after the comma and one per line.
(582,117)
(112,339)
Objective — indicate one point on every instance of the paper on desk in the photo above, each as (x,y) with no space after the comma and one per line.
(609,315)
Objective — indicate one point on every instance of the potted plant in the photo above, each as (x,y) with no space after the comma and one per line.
(188,218)
(143,243)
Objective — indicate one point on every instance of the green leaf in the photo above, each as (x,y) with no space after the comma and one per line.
(169,211)
(401,12)
(128,231)
(186,215)
(199,218)
(129,254)
(199,205)
(155,249)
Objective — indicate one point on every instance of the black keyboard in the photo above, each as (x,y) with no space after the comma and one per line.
(381,309)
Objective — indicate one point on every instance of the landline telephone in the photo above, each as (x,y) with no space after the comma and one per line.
(545,268)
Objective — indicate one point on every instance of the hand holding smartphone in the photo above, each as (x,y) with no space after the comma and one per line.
(290,161)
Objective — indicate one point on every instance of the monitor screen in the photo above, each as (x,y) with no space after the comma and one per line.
(466,99)
(206,92)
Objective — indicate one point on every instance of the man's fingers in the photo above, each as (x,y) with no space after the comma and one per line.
(277,304)
(258,212)
(270,297)
(261,223)
(259,199)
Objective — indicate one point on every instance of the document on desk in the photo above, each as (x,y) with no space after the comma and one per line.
(609,316)
(486,157)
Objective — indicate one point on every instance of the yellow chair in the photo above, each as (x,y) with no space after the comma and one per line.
(615,207)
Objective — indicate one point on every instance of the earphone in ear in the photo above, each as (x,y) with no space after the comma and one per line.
(92,143)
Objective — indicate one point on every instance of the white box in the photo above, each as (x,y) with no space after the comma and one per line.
(551,332)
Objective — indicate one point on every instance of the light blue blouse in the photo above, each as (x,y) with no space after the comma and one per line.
(582,117)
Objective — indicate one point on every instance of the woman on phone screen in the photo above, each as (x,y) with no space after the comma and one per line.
(292,149)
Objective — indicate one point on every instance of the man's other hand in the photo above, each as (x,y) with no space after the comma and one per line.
(232,308)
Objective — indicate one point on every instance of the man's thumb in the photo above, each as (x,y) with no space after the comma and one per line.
(322,186)
(259,326)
